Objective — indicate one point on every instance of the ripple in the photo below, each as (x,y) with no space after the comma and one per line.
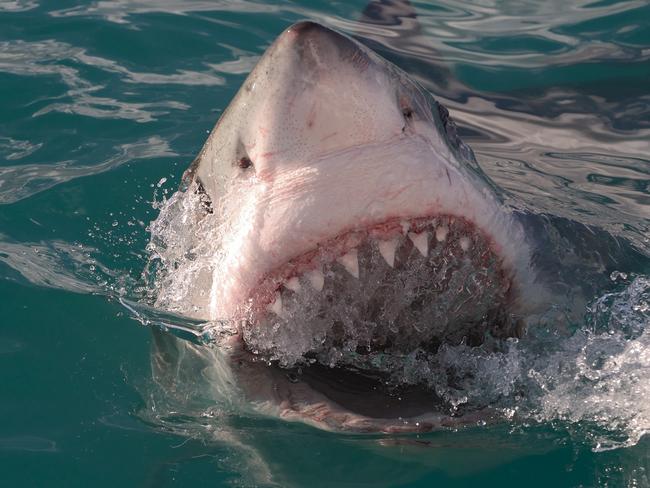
(17,5)
(50,264)
(521,35)
(37,58)
(243,65)
(12,149)
(22,181)
(10,346)
(108,108)
(28,443)
(68,63)
(119,10)
(564,159)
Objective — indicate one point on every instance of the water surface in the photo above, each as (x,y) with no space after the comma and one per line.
(104,104)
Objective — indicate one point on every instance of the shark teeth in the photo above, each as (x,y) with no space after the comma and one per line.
(276,306)
(350,262)
(387,250)
(421,242)
(465,243)
(316,279)
(293,284)
(303,282)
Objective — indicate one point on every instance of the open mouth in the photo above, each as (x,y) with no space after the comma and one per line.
(370,394)
(389,289)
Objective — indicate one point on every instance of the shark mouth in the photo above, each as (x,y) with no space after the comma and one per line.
(390,288)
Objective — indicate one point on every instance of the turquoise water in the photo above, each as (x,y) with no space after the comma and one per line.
(104,104)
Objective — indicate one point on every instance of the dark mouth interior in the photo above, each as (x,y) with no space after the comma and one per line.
(366,393)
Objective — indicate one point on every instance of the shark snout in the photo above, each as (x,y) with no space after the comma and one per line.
(321,48)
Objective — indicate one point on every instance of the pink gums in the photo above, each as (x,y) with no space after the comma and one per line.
(329,251)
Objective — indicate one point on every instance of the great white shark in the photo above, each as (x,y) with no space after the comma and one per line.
(352,225)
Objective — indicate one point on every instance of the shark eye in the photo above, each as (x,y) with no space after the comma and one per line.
(245,162)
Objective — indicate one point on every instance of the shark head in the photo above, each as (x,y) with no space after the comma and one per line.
(350,215)
(337,219)
(313,94)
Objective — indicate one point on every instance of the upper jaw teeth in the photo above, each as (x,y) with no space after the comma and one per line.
(465,243)
(387,250)
(421,242)
(316,279)
(276,306)
(350,262)
(421,238)
(293,284)
(441,233)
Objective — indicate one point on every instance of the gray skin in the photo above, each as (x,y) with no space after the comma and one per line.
(335,398)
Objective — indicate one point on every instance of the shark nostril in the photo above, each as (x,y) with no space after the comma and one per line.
(407,112)
(245,162)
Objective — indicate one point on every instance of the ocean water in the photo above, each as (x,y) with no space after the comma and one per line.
(104,104)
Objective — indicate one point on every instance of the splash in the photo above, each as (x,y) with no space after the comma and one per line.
(186,250)
(597,379)
(601,376)
(593,375)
